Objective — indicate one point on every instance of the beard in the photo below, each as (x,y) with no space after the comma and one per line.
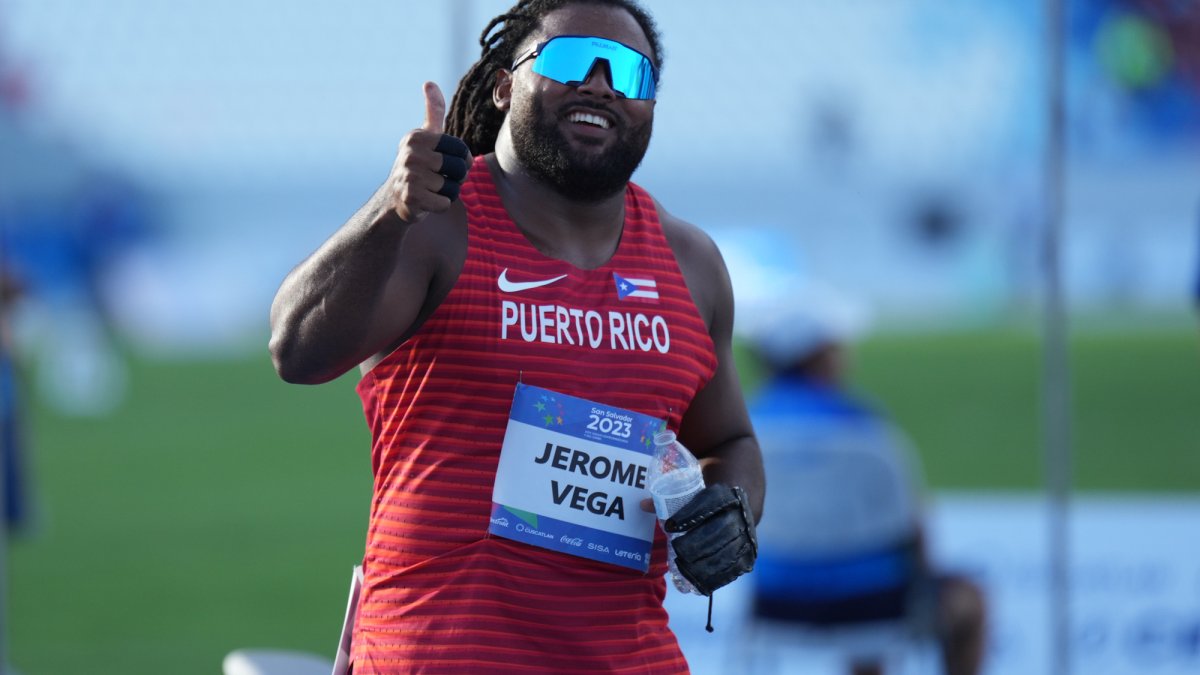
(584,176)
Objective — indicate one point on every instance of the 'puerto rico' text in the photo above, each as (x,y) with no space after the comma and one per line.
(556,324)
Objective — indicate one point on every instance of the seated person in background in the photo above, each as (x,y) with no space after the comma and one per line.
(14,516)
(841,542)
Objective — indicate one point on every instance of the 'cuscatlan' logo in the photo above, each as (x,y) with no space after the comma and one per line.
(635,288)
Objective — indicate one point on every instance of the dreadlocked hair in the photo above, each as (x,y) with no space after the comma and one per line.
(473,116)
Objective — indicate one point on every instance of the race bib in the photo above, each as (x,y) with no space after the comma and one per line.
(572,475)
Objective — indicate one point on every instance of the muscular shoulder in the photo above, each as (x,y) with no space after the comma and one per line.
(700,262)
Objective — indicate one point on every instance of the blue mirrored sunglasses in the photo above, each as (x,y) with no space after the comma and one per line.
(569,59)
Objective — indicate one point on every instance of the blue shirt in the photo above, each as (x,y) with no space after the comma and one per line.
(822,538)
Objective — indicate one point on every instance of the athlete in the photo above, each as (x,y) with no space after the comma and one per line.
(859,558)
(508,250)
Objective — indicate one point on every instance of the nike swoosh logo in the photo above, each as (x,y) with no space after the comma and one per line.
(518,286)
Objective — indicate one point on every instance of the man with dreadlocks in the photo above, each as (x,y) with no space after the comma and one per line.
(507,266)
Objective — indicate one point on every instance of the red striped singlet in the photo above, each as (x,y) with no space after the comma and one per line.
(442,596)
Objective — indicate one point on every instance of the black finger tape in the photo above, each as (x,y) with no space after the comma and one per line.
(453,167)
(451,145)
(450,189)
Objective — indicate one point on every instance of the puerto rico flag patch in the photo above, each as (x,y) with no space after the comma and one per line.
(647,289)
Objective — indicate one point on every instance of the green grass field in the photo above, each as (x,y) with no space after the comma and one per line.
(220,508)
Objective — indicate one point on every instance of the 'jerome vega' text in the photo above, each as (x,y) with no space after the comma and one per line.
(598,466)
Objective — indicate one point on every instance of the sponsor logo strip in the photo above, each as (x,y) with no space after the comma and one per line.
(564,537)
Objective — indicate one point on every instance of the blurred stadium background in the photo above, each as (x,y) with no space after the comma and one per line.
(162,165)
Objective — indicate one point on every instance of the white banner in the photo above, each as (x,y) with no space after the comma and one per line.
(1135,587)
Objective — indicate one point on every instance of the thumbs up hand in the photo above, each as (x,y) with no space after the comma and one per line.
(430,165)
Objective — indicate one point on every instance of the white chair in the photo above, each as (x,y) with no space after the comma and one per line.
(275,662)
(287,662)
(839,532)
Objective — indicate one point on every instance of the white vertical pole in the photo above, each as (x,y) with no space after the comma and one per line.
(1056,423)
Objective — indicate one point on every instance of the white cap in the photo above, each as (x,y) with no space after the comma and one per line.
(798,318)
(784,313)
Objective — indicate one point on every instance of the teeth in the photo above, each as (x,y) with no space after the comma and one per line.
(589,119)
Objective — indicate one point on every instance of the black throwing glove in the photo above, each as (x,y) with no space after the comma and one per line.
(718,543)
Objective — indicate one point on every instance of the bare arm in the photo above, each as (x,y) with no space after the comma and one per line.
(717,425)
(380,274)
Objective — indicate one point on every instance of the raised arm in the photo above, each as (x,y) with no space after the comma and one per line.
(375,280)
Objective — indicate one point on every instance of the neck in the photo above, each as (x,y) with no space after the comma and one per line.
(583,233)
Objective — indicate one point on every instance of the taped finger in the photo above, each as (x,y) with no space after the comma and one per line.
(449,189)
(453,167)
(452,145)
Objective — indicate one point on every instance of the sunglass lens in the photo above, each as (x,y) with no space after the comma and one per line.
(570,59)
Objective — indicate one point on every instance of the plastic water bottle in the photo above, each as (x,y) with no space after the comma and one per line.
(674,478)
